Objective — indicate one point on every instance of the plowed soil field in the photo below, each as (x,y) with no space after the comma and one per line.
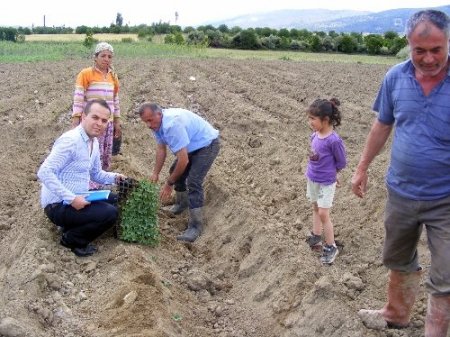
(251,273)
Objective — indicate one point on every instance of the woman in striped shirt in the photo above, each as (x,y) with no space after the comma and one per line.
(100,82)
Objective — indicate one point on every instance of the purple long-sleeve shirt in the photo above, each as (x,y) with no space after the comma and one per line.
(327,157)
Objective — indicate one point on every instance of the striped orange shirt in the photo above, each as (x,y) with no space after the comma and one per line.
(92,84)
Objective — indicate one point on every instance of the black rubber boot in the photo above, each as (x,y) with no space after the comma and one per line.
(181,203)
(195,226)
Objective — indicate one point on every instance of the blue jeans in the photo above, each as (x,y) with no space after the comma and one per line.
(85,225)
(404,222)
(200,161)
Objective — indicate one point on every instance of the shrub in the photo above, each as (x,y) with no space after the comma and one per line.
(246,39)
(8,34)
(346,44)
(89,40)
(223,28)
(373,43)
(271,42)
(82,30)
(178,38)
(20,38)
(397,44)
(328,44)
(197,38)
(217,39)
(141,34)
(299,45)
(403,53)
(169,39)
(384,51)
(315,43)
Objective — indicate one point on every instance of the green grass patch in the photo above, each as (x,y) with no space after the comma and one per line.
(11,52)
(59,50)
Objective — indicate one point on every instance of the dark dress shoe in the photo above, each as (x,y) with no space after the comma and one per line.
(85,251)
(64,242)
(78,251)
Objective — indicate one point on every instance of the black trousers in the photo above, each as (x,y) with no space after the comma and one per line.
(83,226)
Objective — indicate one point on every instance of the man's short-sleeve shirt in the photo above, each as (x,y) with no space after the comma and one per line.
(420,154)
(182,128)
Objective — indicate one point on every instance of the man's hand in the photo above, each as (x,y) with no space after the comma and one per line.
(119,177)
(359,183)
(154,177)
(79,202)
(166,192)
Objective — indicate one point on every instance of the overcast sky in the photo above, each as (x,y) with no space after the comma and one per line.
(190,12)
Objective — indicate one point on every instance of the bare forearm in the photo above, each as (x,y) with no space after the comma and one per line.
(180,167)
(160,159)
(177,172)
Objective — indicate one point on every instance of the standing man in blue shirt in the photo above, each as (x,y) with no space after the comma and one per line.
(195,144)
(415,98)
(65,174)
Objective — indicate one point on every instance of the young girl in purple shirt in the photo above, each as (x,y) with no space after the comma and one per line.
(327,157)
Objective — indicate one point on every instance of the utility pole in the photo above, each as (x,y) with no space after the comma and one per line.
(44,20)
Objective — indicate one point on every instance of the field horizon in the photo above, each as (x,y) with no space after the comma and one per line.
(60,46)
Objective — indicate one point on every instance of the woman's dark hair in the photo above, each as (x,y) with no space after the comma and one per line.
(324,108)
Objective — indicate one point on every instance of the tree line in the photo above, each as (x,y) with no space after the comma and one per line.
(389,43)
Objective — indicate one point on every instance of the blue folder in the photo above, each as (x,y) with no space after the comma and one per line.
(96,195)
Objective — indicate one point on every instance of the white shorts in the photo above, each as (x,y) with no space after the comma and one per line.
(323,195)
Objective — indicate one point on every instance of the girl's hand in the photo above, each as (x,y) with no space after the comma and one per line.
(338,182)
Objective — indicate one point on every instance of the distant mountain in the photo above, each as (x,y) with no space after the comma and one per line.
(287,18)
(391,20)
(326,20)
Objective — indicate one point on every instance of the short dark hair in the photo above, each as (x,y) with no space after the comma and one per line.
(436,18)
(149,105)
(89,104)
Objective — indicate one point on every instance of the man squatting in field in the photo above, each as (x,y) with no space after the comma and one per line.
(415,98)
(65,174)
(195,143)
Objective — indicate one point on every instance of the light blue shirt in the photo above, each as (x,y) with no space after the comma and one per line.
(182,128)
(420,154)
(69,167)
